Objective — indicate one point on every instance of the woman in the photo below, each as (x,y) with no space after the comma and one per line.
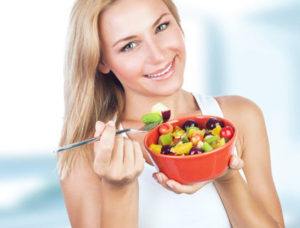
(125,56)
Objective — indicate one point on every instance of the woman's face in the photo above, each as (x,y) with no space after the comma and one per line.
(143,46)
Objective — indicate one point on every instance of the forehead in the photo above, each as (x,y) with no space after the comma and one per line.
(129,17)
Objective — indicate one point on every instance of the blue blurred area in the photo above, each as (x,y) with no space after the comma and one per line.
(255,55)
(33,196)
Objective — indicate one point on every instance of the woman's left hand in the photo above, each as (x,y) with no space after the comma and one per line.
(235,163)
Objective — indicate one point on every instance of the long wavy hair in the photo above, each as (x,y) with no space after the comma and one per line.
(88,95)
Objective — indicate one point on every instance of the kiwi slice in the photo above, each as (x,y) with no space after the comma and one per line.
(152,117)
(206,147)
(165,139)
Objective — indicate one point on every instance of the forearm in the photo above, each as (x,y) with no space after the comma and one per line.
(119,206)
(242,208)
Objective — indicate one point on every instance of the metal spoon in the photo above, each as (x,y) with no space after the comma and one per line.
(144,129)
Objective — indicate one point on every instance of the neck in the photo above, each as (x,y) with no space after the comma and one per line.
(180,103)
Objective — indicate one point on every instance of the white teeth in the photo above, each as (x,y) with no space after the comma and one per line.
(161,73)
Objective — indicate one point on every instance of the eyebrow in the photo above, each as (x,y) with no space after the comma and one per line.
(132,37)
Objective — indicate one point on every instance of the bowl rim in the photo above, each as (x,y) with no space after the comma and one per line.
(195,155)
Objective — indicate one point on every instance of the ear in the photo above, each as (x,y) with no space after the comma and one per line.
(103,68)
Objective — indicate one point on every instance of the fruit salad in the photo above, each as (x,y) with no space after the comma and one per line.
(190,138)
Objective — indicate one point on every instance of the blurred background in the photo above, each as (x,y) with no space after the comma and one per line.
(249,48)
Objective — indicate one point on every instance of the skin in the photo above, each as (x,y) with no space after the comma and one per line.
(110,187)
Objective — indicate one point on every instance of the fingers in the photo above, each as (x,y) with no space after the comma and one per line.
(99,127)
(139,159)
(161,179)
(177,187)
(118,160)
(236,162)
(104,147)
(181,188)
(128,154)
(118,152)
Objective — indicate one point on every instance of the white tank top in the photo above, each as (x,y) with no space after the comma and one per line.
(161,208)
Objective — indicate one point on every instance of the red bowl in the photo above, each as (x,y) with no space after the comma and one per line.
(192,168)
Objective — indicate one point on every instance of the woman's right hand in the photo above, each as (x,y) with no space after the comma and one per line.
(118,160)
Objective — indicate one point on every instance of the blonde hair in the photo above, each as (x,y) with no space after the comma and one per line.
(89,96)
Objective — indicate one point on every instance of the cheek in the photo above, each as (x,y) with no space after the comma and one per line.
(178,41)
(173,40)
(128,66)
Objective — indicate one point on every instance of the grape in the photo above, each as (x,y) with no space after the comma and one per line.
(189,123)
(195,150)
(166,150)
(166,115)
(212,123)
(207,132)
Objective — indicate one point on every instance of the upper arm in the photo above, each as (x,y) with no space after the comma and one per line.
(82,195)
(254,150)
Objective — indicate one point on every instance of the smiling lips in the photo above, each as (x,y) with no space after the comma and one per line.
(162,72)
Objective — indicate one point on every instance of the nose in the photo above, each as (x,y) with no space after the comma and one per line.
(155,51)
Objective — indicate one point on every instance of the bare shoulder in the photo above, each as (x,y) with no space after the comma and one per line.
(246,115)
(235,106)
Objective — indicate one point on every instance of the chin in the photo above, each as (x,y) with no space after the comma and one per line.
(168,90)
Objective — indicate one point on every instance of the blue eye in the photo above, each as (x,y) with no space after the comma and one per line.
(133,44)
(129,46)
(162,27)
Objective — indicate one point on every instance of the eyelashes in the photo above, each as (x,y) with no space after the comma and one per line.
(131,45)
(162,27)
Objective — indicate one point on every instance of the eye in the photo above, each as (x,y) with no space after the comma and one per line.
(129,46)
(162,27)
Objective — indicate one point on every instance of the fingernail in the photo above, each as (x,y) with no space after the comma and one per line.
(160,179)
(235,162)
(170,184)
(111,123)
(98,125)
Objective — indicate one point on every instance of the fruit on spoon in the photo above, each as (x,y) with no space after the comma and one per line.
(159,114)
(163,110)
